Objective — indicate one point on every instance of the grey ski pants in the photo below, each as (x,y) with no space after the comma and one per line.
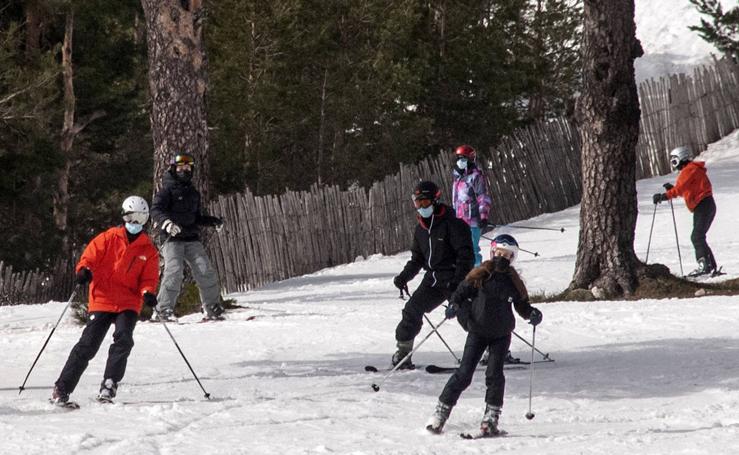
(175,255)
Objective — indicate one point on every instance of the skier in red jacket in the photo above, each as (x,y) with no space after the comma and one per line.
(122,267)
(694,187)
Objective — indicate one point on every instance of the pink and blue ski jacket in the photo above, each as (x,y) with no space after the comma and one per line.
(470,196)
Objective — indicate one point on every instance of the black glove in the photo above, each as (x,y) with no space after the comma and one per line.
(150,299)
(659,197)
(535,317)
(451,311)
(218,223)
(485,227)
(83,276)
(400,282)
(668,186)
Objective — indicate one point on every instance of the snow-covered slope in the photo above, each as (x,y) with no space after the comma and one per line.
(669,46)
(286,373)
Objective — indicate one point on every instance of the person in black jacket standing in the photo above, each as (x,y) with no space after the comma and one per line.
(483,302)
(176,209)
(442,245)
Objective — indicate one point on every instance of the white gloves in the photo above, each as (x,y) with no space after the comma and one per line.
(171,228)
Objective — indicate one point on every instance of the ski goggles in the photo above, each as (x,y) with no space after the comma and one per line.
(184,160)
(136,217)
(422,203)
(674,161)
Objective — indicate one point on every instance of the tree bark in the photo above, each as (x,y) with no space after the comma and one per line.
(608,112)
(178,85)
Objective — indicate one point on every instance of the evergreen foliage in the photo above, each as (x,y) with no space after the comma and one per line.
(302,92)
(723,29)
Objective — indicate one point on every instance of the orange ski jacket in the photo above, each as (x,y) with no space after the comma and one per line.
(121,272)
(692,184)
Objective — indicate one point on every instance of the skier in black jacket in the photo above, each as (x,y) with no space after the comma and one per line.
(176,209)
(442,245)
(483,302)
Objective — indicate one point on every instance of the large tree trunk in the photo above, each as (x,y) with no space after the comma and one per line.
(608,112)
(177,84)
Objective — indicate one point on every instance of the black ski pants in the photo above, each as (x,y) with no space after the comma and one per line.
(474,347)
(703,216)
(425,299)
(89,343)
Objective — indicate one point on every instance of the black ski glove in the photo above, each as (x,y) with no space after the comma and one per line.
(451,311)
(83,276)
(659,197)
(150,299)
(668,186)
(535,317)
(400,282)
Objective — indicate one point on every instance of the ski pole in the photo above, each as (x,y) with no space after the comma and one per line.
(649,242)
(376,386)
(674,223)
(442,339)
(527,227)
(69,302)
(207,395)
(533,253)
(530,415)
(544,356)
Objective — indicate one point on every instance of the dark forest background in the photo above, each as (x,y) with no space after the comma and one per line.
(300,93)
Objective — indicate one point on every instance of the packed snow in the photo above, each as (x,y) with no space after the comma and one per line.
(669,46)
(286,373)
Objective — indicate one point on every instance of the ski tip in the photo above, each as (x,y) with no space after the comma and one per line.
(370,369)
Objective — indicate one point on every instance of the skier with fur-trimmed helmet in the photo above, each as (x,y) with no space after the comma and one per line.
(484,304)
(442,247)
(177,209)
(470,195)
(695,188)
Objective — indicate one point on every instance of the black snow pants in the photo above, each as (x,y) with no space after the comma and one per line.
(425,299)
(703,216)
(89,343)
(474,347)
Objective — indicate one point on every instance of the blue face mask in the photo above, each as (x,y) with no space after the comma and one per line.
(425,212)
(462,163)
(134,228)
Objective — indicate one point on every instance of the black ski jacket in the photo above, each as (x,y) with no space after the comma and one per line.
(180,202)
(488,312)
(442,245)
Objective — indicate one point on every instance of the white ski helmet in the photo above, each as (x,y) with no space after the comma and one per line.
(678,155)
(135,210)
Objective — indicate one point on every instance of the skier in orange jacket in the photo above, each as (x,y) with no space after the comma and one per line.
(122,267)
(694,187)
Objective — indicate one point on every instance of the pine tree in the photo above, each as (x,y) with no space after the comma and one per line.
(723,29)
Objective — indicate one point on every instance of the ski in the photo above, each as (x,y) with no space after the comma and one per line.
(374,369)
(104,400)
(482,436)
(71,405)
(704,276)
(436,369)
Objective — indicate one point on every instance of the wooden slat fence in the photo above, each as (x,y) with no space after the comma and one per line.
(536,170)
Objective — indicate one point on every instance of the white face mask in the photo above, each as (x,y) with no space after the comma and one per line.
(462,163)
(425,212)
(134,228)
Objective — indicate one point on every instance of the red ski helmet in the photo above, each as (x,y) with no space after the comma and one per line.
(466,151)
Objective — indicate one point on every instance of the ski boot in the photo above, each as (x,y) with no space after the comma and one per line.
(704,268)
(107,391)
(166,315)
(59,396)
(437,420)
(489,424)
(404,348)
(509,359)
(213,313)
